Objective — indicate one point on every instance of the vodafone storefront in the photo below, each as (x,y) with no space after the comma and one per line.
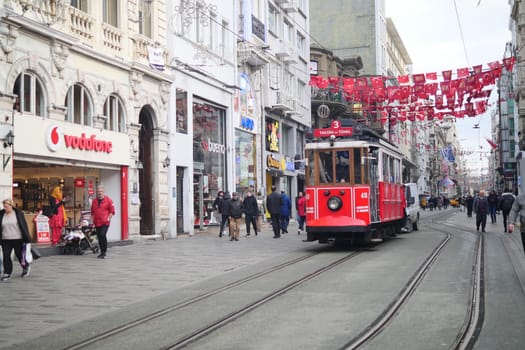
(48,153)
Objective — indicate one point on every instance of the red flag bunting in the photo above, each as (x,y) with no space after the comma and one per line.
(492,144)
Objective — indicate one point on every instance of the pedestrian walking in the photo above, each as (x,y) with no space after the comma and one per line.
(218,205)
(481,207)
(273,205)
(505,205)
(493,205)
(235,209)
(301,211)
(14,233)
(518,210)
(286,210)
(59,218)
(251,212)
(102,210)
(469,203)
(225,214)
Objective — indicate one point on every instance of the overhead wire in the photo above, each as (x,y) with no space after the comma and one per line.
(461,33)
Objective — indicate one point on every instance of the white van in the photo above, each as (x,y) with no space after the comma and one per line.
(413,207)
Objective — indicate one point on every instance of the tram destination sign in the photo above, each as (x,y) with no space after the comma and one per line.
(338,132)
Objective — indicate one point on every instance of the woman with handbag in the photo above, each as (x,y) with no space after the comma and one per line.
(13,235)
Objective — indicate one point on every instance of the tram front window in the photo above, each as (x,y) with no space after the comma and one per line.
(342,167)
(325,167)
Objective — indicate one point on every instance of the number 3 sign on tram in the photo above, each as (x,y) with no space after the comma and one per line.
(335,129)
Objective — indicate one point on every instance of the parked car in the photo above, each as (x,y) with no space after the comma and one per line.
(413,207)
(455,202)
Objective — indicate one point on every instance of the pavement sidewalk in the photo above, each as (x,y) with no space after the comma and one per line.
(64,289)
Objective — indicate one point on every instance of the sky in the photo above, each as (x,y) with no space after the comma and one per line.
(431,34)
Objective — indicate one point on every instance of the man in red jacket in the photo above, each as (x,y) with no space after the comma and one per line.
(102,210)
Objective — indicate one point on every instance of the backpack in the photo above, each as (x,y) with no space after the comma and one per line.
(506,202)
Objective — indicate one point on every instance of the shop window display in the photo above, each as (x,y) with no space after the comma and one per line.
(209,152)
(31,194)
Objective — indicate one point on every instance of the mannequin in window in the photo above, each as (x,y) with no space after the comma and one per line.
(59,219)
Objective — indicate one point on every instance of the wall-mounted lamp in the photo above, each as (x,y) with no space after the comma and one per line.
(9,139)
(166,162)
(139,164)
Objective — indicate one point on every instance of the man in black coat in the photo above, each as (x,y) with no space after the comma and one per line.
(251,211)
(225,212)
(273,205)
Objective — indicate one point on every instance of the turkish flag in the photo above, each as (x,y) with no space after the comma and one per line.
(462,72)
(431,76)
(347,82)
(492,144)
(447,75)
(403,79)
(477,69)
(445,87)
(333,81)
(494,65)
(418,79)
(509,63)
(377,82)
(488,78)
(496,73)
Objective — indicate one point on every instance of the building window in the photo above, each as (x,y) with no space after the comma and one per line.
(182,111)
(79,106)
(145,18)
(301,40)
(30,94)
(110,12)
(81,5)
(288,32)
(272,20)
(114,111)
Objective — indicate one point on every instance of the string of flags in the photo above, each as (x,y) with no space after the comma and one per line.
(420,96)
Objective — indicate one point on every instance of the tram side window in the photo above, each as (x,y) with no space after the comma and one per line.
(310,173)
(397,171)
(342,167)
(358,167)
(325,167)
(386,169)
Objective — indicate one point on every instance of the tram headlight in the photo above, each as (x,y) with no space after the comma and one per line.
(334,203)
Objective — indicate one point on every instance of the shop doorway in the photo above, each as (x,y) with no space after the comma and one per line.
(146,174)
(180,200)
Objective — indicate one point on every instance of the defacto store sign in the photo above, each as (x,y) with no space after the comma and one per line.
(213,147)
(56,139)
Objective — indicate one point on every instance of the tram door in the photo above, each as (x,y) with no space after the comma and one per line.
(373,175)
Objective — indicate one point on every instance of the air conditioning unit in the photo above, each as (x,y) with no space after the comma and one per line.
(289,7)
(291,58)
(281,50)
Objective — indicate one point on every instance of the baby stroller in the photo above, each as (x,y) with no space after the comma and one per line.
(79,239)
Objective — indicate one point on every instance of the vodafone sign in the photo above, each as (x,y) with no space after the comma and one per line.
(56,139)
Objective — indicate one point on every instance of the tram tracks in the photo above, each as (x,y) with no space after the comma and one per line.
(465,338)
(184,340)
(471,328)
(388,314)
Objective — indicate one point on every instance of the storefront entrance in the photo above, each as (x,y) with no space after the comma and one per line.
(147,224)
(180,200)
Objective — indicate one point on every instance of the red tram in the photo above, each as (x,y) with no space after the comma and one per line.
(354,189)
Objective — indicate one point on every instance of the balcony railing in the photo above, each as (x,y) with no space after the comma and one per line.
(328,94)
(112,37)
(81,23)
